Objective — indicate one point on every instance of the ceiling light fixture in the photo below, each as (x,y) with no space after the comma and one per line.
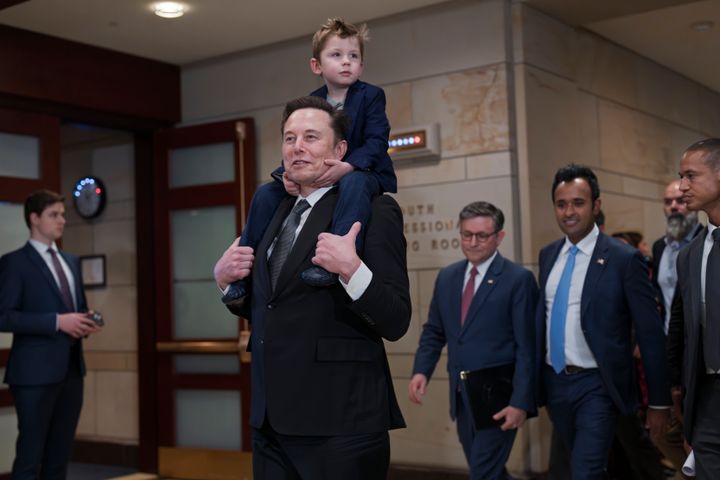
(702,26)
(169,9)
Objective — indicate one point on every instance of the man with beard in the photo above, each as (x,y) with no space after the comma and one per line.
(682,227)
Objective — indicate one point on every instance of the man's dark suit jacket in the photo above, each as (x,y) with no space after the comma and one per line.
(498,328)
(319,365)
(685,346)
(368,134)
(29,303)
(617,295)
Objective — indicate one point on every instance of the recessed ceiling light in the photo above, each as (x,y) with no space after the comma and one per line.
(169,9)
(702,26)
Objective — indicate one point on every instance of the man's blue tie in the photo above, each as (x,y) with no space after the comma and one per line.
(559,313)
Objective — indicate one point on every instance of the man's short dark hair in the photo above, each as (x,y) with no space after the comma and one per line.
(711,147)
(38,201)
(483,209)
(573,171)
(339,121)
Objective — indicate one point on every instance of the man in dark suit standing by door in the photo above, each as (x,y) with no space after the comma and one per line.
(482,309)
(322,394)
(593,291)
(41,297)
(696,309)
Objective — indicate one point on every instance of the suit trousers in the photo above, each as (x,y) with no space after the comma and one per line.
(706,431)
(585,417)
(47,418)
(486,450)
(348,457)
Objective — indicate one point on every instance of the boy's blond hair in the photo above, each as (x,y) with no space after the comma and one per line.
(338,26)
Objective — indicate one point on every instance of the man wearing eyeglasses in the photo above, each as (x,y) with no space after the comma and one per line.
(482,309)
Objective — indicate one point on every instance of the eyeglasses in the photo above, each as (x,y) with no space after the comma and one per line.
(481,237)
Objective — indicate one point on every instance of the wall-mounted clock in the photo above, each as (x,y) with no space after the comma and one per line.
(89,197)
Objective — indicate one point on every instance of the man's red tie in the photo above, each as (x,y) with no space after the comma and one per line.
(468,295)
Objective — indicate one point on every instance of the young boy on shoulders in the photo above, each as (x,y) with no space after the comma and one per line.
(366,170)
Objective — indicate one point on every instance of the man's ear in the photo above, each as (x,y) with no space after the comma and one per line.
(596,207)
(34,219)
(340,149)
(315,66)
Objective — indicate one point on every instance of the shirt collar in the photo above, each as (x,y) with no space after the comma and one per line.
(41,247)
(710,228)
(586,245)
(315,196)
(481,267)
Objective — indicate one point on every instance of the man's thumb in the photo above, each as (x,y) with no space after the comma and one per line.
(354,230)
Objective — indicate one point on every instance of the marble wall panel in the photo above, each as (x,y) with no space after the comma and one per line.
(426,287)
(544,226)
(116,240)
(655,82)
(267,141)
(471,107)
(8,425)
(78,239)
(464,35)
(607,70)
(120,210)
(431,221)
(98,360)
(709,112)
(87,425)
(446,170)
(408,343)
(634,143)
(561,125)
(117,405)
(76,163)
(496,164)
(399,105)
(637,187)
(118,305)
(272,75)
(547,43)
(115,167)
(430,437)
(246,80)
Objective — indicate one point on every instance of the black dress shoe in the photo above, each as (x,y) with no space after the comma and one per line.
(235,295)
(318,277)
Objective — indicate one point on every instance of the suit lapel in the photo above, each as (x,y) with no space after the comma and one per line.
(598,261)
(318,221)
(547,265)
(37,260)
(261,274)
(488,284)
(453,297)
(352,104)
(695,254)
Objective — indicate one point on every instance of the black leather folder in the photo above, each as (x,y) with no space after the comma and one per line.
(487,391)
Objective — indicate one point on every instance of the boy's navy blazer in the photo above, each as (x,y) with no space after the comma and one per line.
(368,134)
(617,300)
(498,328)
(29,303)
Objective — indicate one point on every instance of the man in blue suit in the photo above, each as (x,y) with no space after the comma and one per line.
(41,296)
(482,309)
(594,293)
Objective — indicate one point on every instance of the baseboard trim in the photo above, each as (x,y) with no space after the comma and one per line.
(104,453)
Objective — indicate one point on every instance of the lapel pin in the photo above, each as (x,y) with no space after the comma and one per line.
(601,261)
(491,281)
